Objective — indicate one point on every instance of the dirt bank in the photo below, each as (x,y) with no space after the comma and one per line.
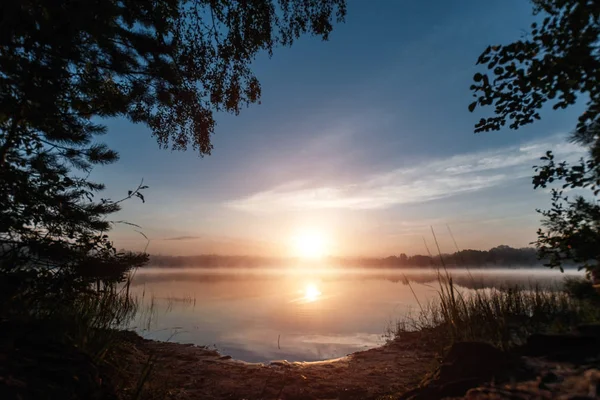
(191,372)
(33,366)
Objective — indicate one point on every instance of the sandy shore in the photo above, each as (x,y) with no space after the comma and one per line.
(183,371)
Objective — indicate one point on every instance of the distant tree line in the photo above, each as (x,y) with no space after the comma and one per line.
(500,256)
(504,256)
(213,261)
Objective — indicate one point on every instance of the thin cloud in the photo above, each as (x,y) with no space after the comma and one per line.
(184,238)
(427,181)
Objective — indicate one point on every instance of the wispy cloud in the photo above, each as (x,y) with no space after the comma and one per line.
(184,238)
(426,181)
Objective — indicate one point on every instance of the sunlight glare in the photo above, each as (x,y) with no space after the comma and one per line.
(311,293)
(310,245)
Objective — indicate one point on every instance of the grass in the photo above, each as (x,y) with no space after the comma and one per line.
(97,319)
(86,323)
(502,317)
(74,336)
(90,320)
(181,301)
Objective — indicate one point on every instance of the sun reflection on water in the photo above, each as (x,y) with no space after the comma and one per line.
(311,293)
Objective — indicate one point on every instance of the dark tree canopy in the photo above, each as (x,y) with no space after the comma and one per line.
(571,227)
(167,63)
(556,63)
(66,65)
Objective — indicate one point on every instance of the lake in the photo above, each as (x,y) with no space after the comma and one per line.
(296,314)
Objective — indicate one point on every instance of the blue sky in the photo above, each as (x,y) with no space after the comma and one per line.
(364,140)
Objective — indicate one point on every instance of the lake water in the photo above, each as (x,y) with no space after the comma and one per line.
(295,314)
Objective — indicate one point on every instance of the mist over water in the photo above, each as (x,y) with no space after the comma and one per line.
(297,314)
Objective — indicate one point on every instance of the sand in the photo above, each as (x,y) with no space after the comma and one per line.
(183,371)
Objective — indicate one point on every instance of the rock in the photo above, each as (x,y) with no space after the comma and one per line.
(475,371)
(225,358)
(472,359)
(562,347)
(466,365)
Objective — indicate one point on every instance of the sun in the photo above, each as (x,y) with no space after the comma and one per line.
(310,245)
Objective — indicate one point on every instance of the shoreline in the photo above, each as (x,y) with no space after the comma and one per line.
(187,371)
(408,367)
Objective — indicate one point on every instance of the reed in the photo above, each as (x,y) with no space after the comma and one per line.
(504,317)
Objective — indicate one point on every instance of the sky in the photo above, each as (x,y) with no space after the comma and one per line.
(364,141)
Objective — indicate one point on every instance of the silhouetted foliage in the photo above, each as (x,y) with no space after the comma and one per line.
(66,65)
(572,225)
(500,256)
(582,289)
(166,63)
(556,62)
